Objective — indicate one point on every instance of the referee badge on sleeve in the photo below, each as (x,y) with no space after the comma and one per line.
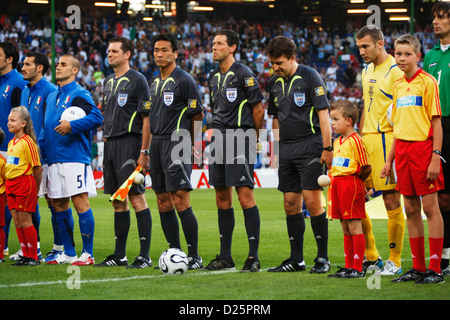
(192,103)
(122,99)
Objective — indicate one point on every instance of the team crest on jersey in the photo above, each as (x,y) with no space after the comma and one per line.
(231,94)
(299,98)
(122,99)
(168,98)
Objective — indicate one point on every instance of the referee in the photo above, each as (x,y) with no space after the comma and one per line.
(299,105)
(125,109)
(236,103)
(175,108)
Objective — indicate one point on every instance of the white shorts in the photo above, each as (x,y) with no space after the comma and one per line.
(67,179)
(42,191)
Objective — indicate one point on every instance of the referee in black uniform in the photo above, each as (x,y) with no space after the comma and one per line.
(125,109)
(175,108)
(299,105)
(236,103)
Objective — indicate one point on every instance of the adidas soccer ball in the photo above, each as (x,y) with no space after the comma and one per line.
(389,115)
(173,261)
(73,113)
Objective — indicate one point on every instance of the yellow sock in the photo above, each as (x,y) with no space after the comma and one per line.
(396,231)
(371,250)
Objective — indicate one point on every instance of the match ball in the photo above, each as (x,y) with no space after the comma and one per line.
(73,113)
(324,180)
(389,114)
(173,261)
(139,179)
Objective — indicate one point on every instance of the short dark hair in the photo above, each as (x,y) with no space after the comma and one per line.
(10,50)
(441,9)
(166,37)
(126,45)
(375,33)
(232,37)
(281,46)
(40,59)
(347,108)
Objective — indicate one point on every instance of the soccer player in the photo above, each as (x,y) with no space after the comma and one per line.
(11,86)
(125,108)
(299,105)
(349,170)
(437,63)
(237,110)
(23,174)
(377,81)
(2,199)
(416,114)
(67,150)
(175,107)
(34,97)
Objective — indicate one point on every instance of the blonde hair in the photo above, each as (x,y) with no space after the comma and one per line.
(25,116)
(409,40)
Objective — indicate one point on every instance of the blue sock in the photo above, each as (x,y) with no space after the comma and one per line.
(36,218)
(56,232)
(66,223)
(87,225)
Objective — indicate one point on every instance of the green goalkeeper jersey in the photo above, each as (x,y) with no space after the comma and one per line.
(437,63)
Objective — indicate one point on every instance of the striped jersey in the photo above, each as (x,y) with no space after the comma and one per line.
(416,101)
(377,85)
(22,156)
(349,156)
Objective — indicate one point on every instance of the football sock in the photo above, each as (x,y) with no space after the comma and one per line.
(296,230)
(226,228)
(171,228)
(8,218)
(348,251)
(144,224)
(418,253)
(396,231)
(359,246)
(371,249)
(36,218)
(2,242)
(252,226)
(446,245)
(319,225)
(22,241)
(31,241)
(435,254)
(121,228)
(87,226)
(190,230)
(66,223)
(57,241)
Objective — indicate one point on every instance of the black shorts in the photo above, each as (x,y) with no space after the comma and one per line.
(446,153)
(170,164)
(299,164)
(234,168)
(120,157)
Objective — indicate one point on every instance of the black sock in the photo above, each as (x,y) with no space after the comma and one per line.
(319,225)
(226,227)
(171,228)
(144,224)
(190,230)
(252,226)
(296,230)
(121,228)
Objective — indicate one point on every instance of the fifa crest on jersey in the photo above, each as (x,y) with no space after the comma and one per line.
(231,94)
(299,98)
(168,98)
(122,99)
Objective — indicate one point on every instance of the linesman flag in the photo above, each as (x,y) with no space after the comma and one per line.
(122,192)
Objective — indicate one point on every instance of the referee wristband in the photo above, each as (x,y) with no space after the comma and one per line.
(437,152)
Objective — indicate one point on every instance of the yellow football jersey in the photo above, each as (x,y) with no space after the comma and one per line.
(349,156)
(416,101)
(377,93)
(2,173)
(22,156)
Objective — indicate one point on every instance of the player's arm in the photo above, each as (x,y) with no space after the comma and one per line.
(434,167)
(144,160)
(258,117)
(365,172)
(325,128)
(386,171)
(37,173)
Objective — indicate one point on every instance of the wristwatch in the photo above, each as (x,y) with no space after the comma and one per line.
(329,148)
(437,152)
(145,152)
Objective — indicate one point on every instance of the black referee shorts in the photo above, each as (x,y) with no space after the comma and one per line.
(120,157)
(299,164)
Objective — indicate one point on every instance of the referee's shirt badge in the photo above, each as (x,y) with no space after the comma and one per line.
(299,98)
(231,94)
(122,99)
(168,98)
